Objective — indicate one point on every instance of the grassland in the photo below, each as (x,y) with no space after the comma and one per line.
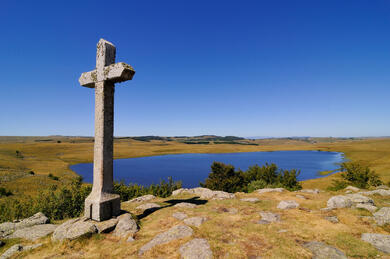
(54,155)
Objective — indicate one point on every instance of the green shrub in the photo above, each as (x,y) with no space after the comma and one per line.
(4,192)
(225,178)
(31,173)
(356,174)
(51,176)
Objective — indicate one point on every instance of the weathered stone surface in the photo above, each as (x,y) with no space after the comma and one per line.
(381,192)
(148,206)
(36,219)
(195,221)
(352,188)
(185,205)
(73,229)
(179,215)
(313,191)
(102,203)
(283,205)
(332,219)
(339,201)
(197,248)
(147,197)
(205,193)
(324,251)
(34,232)
(106,226)
(265,190)
(368,207)
(174,233)
(380,241)
(250,199)
(385,187)
(382,216)
(300,197)
(126,225)
(269,216)
(349,200)
(13,250)
(130,239)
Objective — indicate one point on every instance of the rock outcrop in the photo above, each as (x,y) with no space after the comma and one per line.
(265,190)
(195,221)
(73,229)
(148,206)
(34,232)
(8,227)
(380,241)
(179,215)
(323,251)
(381,192)
(197,248)
(126,226)
(205,193)
(185,205)
(174,233)
(382,216)
(250,199)
(284,205)
(144,198)
(348,201)
(269,217)
(13,250)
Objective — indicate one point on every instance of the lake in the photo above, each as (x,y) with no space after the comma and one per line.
(194,168)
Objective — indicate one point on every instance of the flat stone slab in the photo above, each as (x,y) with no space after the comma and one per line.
(382,216)
(34,232)
(368,207)
(313,191)
(174,233)
(250,199)
(332,219)
(73,229)
(179,215)
(126,225)
(349,200)
(269,216)
(323,251)
(185,205)
(148,206)
(300,197)
(265,190)
(352,188)
(13,250)
(205,193)
(106,226)
(284,205)
(197,248)
(195,221)
(37,219)
(380,241)
(147,197)
(381,192)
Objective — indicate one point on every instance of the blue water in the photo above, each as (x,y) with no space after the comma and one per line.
(194,168)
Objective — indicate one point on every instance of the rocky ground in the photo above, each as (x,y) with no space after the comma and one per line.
(200,223)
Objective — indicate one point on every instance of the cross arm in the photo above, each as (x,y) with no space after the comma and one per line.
(116,73)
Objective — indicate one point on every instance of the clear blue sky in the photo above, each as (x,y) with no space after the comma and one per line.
(245,68)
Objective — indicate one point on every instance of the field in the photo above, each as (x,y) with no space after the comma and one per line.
(53,155)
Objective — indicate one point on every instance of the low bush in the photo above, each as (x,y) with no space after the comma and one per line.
(4,192)
(355,174)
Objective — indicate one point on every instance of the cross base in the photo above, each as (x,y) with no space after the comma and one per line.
(102,206)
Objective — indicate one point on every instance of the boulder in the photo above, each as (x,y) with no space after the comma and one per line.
(323,251)
(185,205)
(313,191)
(174,233)
(36,219)
(195,221)
(106,226)
(339,201)
(380,241)
(349,200)
(368,207)
(381,192)
(126,225)
(265,190)
(250,199)
(332,219)
(197,248)
(283,205)
(147,197)
(352,188)
(73,229)
(269,216)
(148,206)
(34,232)
(13,250)
(205,193)
(382,216)
(179,215)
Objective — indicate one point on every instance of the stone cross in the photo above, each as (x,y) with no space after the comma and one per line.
(102,203)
